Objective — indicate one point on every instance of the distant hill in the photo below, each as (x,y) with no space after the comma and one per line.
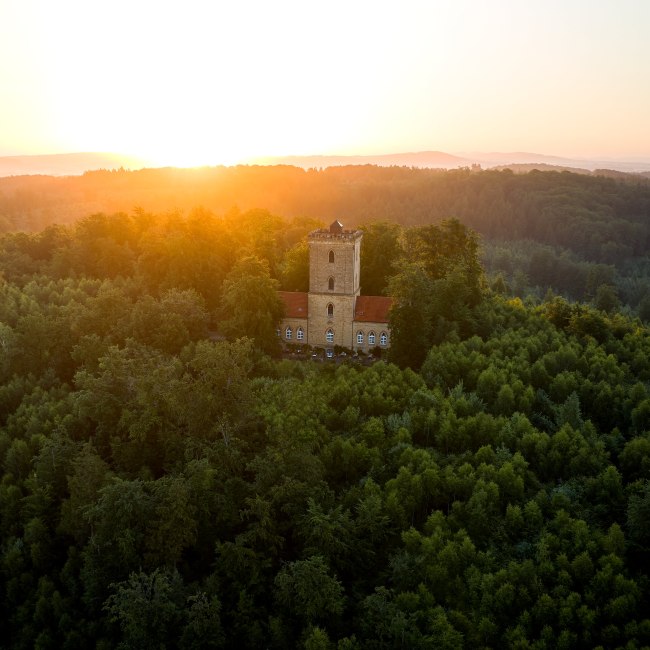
(519,161)
(542,161)
(66,164)
(75,164)
(524,168)
(424,159)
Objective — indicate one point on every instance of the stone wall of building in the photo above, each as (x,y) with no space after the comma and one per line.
(294,324)
(371,336)
(339,322)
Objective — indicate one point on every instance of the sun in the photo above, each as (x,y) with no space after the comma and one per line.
(206,95)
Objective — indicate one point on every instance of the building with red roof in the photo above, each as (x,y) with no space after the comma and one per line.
(333,311)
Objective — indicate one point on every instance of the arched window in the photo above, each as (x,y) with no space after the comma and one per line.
(359,338)
(383,339)
(330,284)
(288,333)
(300,334)
(330,310)
(371,338)
(331,257)
(329,336)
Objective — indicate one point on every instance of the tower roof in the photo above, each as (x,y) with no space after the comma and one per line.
(336,227)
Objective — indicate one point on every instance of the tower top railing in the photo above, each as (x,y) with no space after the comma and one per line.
(325,234)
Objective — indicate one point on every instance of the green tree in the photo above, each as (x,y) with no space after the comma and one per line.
(410,316)
(295,268)
(638,516)
(379,254)
(444,248)
(203,628)
(250,306)
(148,608)
(89,474)
(307,590)
(607,299)
(439,283)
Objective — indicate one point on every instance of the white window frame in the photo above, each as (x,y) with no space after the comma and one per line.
(359,337)
(300,334)
(329,335)
(371,338)
(383,339)
(288,333)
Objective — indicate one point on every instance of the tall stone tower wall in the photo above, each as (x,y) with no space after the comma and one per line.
(334,276)
(346,266)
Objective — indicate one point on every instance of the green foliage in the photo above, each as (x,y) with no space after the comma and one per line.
(380,252)
(160,489)
(305,589)
(435,291)
(295,268)
(250,305)
(411,316)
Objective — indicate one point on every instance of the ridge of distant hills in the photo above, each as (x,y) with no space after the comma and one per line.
(427,159)
(66,164)
(442,160)
(74,164)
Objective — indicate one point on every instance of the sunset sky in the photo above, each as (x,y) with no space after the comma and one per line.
(198,82)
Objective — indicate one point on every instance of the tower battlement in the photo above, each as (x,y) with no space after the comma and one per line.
(322,234)
(335,261)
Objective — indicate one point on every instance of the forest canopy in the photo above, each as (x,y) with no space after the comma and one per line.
(162,488)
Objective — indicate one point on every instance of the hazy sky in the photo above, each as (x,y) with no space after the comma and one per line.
(190,82)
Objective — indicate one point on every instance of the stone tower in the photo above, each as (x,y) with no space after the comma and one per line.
(334,273)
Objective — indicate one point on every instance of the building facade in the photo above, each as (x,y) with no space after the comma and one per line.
(333,313)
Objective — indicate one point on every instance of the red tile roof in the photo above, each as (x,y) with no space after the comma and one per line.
(295,303)
(372,309)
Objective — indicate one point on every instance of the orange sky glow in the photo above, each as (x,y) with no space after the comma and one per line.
(224,82)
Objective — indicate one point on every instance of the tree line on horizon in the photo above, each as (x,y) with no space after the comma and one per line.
(601,218)
(568,232)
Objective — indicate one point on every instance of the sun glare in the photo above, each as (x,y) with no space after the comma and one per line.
(210,83)
(191,92)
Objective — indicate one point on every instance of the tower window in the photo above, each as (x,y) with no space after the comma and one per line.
(360,338)
(330,284)
(329,336)
(331,257)
(330,310)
